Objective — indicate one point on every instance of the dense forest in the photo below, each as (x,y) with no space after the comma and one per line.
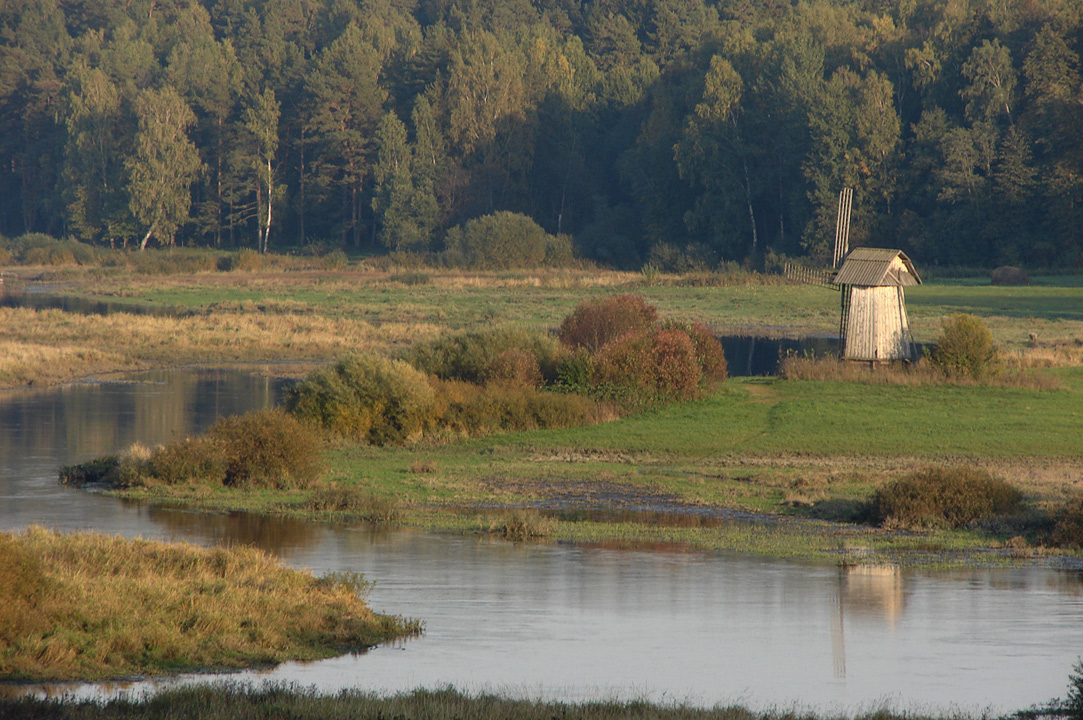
(679,132)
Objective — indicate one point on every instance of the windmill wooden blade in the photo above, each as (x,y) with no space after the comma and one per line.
(842,226)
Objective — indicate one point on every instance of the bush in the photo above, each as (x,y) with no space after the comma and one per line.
(575,371)
(515,366)
(367,397)
(244,260)
(594,323)
(965,348)
(650,366)
(266,448)
(943,497)
(263,448)
(185,461)
(468,409)
(41,249)
(471,356)
(1067,527)
(709,352)
(505,240)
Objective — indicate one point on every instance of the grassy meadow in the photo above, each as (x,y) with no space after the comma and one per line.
(281,314)
(808,453)
(90,607)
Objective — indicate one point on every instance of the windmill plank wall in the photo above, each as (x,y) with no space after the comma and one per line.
(877,327)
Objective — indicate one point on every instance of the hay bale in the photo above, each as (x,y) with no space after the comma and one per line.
(1008,275)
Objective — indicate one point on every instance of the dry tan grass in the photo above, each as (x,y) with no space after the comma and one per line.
(47,346)
(109,607)
(921,373)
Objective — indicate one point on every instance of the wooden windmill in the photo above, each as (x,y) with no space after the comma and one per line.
(873,325)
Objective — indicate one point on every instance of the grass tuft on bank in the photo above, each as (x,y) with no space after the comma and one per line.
(87,606)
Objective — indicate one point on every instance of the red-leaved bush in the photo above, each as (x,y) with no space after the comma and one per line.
(655,364)
(712,359)
(594,323)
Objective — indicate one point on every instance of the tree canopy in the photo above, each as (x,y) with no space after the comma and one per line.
(681,132)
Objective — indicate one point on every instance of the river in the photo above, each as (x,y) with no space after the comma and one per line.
(565,621)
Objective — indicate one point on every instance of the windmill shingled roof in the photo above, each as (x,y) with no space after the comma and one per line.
(877,267)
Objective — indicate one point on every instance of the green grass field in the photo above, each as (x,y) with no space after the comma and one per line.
(800,449)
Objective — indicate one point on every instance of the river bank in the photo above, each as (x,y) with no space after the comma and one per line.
(87,606)
(225,701)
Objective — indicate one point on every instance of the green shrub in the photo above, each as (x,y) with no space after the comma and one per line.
(943,497)
(575,371)
(191,460)
(505,240)
(367,397)
(965,348)
(266,448)
(103,470)
(594,323)
(470,356)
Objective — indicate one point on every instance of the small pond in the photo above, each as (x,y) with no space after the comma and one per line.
(565,621)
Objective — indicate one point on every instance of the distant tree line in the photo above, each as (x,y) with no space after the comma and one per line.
(678,132)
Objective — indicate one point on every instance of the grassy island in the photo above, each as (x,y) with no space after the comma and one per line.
(91,607)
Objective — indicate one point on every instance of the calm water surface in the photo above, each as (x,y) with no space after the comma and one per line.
(574,622)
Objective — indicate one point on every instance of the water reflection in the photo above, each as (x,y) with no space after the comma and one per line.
(42,430)
(273,534)
(567,621)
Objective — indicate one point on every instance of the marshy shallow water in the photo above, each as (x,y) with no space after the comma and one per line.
(572,622)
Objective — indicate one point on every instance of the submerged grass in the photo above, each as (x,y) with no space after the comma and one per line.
(90,607)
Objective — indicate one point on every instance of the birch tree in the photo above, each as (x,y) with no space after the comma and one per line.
(164,165)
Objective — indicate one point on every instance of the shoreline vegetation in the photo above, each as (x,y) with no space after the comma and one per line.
(87,606)
(489,422)
(225,700)
(808,465)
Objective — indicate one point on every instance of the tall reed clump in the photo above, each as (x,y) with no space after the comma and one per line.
(107,607)
(354,501)
(523,525)
(942,497)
